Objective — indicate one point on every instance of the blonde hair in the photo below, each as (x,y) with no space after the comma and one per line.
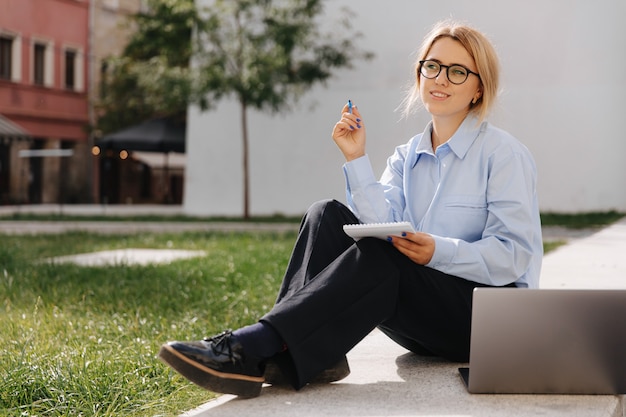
(482,52)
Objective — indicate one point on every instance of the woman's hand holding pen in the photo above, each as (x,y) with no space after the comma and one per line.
(349,133)
(419,247)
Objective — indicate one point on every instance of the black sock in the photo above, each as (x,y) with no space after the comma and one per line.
(260,340)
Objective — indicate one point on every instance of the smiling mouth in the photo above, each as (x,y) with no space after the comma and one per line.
(438,94)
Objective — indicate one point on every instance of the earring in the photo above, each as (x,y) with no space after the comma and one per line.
(476,97)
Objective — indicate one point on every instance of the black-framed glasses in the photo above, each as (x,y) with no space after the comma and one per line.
(457,74)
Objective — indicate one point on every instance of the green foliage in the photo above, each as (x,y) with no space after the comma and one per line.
(82,341)
(268,53)
(165,31)
(265,52)
(152,77)
(130,98)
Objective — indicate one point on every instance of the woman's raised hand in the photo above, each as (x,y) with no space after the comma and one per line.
(349,133)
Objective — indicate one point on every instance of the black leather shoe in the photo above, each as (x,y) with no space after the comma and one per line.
(217,364)
(274,376)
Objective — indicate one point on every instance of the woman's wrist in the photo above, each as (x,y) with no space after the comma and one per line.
(354,156)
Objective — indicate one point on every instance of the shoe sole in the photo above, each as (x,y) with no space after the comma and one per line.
(210,379)
(273,374)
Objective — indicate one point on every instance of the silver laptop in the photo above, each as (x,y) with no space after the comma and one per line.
(545,341)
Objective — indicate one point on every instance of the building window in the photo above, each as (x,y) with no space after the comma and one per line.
(10,56)
(6,57)
(42,71)
(73,69)
(70,69)
(39,64)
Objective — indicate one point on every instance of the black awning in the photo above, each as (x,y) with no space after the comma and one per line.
(157,135)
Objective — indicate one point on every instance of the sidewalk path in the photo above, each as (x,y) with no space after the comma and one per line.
(130,227)
(597,261)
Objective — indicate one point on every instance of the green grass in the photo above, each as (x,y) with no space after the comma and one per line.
(581,220)
(549,246)
(81,341)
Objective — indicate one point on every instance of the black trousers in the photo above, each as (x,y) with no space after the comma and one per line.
(336,291)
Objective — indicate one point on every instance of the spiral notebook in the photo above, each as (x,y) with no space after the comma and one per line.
(379,230)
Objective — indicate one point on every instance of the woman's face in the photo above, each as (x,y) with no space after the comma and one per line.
(441,98)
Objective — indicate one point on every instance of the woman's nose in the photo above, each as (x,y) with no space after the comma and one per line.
(442,77)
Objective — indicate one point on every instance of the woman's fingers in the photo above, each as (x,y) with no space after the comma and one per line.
(419,247)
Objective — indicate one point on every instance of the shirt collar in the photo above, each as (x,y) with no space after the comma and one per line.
(459,143)
(425,144)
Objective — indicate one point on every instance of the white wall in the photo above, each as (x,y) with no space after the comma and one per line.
(563,90)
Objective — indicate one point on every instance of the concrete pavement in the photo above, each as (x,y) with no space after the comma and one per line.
(93,209)
(115,227)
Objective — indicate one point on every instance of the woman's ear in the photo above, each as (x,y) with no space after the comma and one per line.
(477,96)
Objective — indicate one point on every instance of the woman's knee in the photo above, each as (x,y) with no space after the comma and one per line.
(332,208)
(323,205)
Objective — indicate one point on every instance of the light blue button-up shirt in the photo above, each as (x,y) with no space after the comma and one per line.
(476,195)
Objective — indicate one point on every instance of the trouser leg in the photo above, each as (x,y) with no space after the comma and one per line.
(320,241)
(321,321)
(433,313)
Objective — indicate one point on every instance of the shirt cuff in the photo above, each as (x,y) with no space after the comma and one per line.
(359,168)
(359,173)
(445,248)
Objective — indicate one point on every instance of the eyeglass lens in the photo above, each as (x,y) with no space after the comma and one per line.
(456,73)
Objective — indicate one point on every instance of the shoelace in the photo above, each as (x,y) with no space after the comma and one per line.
(220,344)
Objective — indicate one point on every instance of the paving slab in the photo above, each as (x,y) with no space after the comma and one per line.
(131,227)
(387,380)
(596,261)
(130,256)
(111,210)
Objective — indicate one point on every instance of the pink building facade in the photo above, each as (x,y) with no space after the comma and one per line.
(44,62)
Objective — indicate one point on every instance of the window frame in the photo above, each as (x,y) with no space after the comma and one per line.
(14,66)
(47,65)
(6,57)
(39,64)
(76,70)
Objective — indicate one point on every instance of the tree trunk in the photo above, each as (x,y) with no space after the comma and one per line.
(246,164)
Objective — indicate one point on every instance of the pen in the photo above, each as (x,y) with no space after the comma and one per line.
(350,106)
